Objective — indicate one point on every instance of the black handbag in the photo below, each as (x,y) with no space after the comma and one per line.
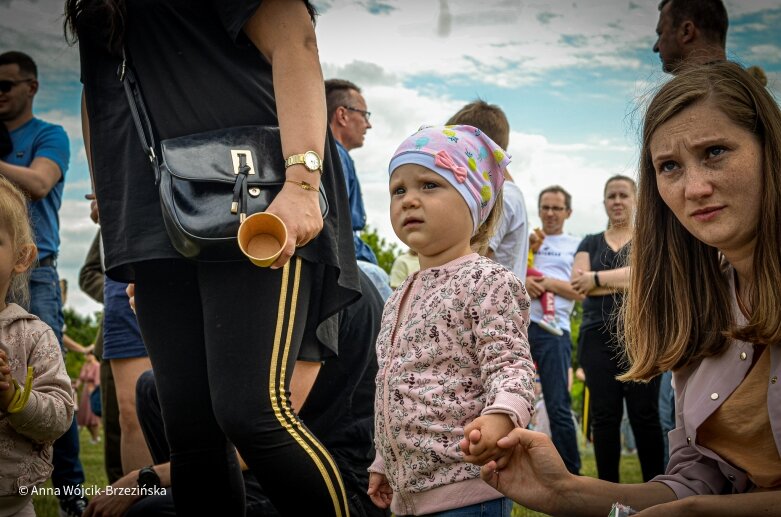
(209,182)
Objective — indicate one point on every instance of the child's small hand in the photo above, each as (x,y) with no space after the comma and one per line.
(380,491)
(7,388)
(480,437)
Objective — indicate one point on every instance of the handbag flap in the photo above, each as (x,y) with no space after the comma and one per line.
(214,155)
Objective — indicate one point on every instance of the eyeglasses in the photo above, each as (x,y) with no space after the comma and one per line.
(7,85)
(546,208)
(366,114)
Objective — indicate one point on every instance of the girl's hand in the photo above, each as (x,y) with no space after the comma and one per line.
(131,298)
(299,209)
(7,389)
(583,281)
(481,436)
(380,491)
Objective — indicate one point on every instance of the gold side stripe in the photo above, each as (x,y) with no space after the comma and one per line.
(288,410)
(275,388)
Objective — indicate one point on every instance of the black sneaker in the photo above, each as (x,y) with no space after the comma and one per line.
(72,506)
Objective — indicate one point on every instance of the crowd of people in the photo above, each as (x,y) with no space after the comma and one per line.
(409,391)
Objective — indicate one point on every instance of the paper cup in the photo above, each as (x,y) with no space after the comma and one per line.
(262,237)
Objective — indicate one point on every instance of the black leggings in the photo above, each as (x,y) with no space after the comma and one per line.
(223,339)
(600,359)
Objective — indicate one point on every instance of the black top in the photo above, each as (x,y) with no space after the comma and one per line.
(197,72)
(599,310)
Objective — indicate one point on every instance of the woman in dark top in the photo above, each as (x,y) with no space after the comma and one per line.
(598,272)
(223,337)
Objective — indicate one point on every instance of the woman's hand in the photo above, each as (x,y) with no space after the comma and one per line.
(299,209)
(535,475)
(583,281)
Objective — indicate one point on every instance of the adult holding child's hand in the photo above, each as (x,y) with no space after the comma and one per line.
(703,302)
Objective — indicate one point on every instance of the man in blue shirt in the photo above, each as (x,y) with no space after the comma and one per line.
(37,164)
(349,121)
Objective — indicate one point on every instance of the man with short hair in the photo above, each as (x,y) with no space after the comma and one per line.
(553,353)
(691,32)
(349,121)
(37,164)
(509,245)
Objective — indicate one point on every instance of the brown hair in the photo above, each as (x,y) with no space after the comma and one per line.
(14,218)
(678,306)
(23,61)
(620,177)
(338,92)
(488,118)
(479,241)
(709,16)
(554,189)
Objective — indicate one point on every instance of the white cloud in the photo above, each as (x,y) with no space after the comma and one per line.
(76,234)
(500,43)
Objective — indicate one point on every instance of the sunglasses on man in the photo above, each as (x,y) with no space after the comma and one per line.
(7,85)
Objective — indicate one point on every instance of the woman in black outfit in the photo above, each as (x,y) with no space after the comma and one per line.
(223,337)
(599,273)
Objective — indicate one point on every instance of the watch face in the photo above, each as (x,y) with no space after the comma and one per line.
(312,161)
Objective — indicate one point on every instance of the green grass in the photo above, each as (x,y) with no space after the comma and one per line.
(92,460)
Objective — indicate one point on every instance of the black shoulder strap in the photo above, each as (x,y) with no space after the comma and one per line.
(138,109)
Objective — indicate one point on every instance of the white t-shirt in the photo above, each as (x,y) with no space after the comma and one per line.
(511,240)
(554,259)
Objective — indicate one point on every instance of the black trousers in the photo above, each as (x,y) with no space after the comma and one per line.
(223,339)
(600,358)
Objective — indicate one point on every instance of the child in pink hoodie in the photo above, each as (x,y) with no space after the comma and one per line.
(453,352)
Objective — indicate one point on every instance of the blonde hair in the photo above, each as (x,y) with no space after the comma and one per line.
(14,217)
(479,241)
(678,306)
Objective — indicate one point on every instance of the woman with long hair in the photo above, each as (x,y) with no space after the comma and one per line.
(223,337)
(703,302)
(600,273)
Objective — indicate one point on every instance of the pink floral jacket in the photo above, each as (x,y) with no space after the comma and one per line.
(460,351)
(26,437)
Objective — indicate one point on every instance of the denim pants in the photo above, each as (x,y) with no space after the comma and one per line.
(553,356)
(502,507)
(46,303)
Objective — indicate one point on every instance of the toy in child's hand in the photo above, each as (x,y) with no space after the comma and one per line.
(535,240)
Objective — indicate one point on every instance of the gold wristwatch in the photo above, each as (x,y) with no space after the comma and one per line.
(310,159)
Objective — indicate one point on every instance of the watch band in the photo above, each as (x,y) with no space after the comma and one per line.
(147,477)
(301,159)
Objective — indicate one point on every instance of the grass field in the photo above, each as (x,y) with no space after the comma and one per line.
(92,459)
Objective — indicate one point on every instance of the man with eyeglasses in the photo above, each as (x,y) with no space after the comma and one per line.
(553,353)
(349,121)
(37,163)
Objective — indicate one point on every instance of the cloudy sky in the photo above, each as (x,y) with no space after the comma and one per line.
(570,74)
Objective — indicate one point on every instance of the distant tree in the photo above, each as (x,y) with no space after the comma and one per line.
(84,330)
(385,251)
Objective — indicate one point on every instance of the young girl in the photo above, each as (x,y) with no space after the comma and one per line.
(36,401)
(452,350)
